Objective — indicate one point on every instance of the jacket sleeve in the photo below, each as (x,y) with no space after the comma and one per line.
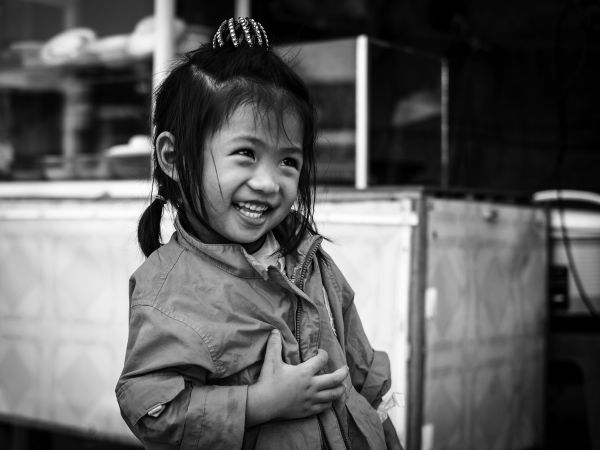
(369,368)
(162,392)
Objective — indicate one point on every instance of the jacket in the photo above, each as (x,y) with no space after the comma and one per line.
(200,317)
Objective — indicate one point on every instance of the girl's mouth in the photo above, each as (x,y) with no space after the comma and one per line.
(252,210)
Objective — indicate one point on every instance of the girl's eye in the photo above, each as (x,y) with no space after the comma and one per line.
(245,152)
(291,162)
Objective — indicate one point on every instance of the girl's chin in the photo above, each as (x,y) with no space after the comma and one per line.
(247,240)
(254,246)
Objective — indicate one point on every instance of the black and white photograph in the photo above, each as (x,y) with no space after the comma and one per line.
(299,224)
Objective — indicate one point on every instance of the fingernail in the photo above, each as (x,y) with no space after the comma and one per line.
(275,331)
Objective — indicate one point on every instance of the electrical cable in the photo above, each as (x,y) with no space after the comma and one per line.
(562,112)
(566,240)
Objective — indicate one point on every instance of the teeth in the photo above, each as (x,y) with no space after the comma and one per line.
(253,207)
(252,215)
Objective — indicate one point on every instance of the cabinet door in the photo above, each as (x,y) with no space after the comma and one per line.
(484,331)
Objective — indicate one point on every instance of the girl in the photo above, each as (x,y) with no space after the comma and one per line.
(243,332)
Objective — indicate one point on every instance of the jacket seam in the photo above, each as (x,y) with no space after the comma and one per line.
(224,267)
(340,294)
(218,365)
(202,421)
(166,275)
(337,286)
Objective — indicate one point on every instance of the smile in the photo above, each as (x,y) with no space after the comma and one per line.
(252,210)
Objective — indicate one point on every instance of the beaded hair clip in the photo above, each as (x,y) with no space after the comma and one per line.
(239,31)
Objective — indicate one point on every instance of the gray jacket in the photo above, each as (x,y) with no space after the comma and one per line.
(200,316)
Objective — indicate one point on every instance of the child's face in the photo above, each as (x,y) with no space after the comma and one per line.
(251,171)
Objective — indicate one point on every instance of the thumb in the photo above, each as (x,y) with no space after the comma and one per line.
(273,351)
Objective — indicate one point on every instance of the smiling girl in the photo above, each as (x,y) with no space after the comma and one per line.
(243,332)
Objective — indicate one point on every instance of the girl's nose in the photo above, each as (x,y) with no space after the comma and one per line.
(264,181)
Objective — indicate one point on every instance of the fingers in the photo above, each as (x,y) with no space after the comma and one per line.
(331,380)
(273,351)
(330,395)
(330,387)
(318,408)
(317,362)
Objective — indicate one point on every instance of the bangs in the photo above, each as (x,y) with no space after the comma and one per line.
(268,102)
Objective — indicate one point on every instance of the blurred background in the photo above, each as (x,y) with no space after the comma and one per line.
(458,152)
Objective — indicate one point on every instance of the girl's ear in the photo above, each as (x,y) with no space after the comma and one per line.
(165,154)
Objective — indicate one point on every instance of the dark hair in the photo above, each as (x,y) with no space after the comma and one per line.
(199,95)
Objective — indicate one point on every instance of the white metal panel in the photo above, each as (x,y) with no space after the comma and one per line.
(64,313)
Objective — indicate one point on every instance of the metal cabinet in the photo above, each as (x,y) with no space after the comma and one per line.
(453,289)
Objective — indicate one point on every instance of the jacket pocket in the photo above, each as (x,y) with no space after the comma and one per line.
(366,419)
(153,407)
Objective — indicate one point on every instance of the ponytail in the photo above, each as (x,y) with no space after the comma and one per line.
(149,226)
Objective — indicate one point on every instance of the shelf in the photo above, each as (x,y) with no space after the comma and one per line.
(49,77)
(85,189)
(31,79)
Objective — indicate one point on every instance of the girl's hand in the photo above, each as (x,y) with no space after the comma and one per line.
(284,391)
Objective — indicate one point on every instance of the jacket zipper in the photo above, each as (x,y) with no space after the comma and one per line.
(309,256)
(299,309)
(299,282)
(324,444)
(344,437)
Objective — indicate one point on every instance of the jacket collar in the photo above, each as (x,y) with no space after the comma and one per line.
(233,258)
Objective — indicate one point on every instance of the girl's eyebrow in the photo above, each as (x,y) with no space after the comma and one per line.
(256,141)
(295,150)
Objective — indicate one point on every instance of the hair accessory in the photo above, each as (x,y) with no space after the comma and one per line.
(160,198)
(240,30)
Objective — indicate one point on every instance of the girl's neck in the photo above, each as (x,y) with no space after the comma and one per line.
(205,233)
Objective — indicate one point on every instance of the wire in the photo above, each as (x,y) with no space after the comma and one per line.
(563,91)
(571,260)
